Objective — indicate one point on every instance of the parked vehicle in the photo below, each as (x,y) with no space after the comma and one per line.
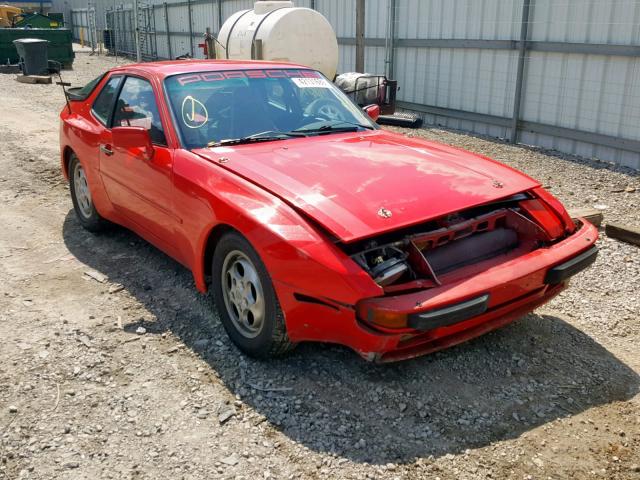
(8,13)
(307,221)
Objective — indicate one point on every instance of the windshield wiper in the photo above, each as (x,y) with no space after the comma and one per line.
(267,136)
(336,126)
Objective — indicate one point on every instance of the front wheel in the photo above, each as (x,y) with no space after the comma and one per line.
(246,301)
(83,205)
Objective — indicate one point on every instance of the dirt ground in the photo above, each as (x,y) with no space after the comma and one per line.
(85,394)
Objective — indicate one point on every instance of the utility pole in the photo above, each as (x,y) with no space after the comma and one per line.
(219,9)
(137,30)
(360,36)
(114,25)
(166,28)
(522,56)
(391,39)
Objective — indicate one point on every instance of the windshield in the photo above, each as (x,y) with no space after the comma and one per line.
(239,106)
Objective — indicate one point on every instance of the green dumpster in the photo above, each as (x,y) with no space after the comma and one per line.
(60,44)
(37,20)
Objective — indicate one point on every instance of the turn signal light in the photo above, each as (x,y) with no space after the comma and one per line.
(544,216)
(386,319)
(556,206)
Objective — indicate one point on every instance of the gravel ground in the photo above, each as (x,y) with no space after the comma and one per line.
(125,373)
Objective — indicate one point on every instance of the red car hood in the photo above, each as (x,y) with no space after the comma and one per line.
(343,181)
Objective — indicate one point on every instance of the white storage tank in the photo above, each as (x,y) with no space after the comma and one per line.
(278,31)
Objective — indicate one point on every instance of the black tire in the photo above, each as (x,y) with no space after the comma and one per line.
(272,339)
(88,216)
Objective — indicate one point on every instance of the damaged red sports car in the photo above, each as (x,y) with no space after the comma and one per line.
(307,221)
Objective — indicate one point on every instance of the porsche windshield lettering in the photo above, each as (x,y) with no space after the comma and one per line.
(216,76)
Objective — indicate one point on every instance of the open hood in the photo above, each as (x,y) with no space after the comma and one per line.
(357,185)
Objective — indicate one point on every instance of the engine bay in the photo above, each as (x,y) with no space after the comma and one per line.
(458,244)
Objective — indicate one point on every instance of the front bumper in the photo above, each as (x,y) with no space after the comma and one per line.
(453,313)
(467,309)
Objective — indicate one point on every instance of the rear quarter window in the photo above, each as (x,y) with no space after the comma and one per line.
(103,105)
(82,93)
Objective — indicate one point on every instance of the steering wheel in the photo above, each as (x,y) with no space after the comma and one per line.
(219,123)
(326,109)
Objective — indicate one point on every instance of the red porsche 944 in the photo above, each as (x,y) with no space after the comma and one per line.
(307,221)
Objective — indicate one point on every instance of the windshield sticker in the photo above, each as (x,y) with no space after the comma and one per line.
(194,113)
(216,76)
(311,82)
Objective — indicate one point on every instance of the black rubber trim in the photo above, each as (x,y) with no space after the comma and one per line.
(560,273)
(301,297)
(443,317)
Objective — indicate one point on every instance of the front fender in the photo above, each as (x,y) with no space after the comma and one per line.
(295,252)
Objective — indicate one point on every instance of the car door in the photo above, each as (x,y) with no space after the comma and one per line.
(140,189)
(86,129)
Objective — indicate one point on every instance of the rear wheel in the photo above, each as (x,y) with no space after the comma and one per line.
(246,301)
(83,205)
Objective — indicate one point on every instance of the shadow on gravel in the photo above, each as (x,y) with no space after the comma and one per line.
(329,400)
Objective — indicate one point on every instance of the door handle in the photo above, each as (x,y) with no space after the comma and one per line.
(106,150)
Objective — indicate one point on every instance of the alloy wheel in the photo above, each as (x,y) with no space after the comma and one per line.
(81,189)
(243,294)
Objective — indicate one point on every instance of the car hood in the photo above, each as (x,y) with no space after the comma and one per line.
(361,184)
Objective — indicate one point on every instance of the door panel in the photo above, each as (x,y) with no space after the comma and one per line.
(140,189)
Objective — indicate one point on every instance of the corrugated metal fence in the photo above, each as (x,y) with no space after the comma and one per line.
(561,74)
(83,24)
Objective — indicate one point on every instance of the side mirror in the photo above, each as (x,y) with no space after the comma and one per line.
(373,111)
(133,138)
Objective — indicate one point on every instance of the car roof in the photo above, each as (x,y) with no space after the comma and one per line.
(172,67)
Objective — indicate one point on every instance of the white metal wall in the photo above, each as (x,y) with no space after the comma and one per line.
(586,93)
(593,93)
(342,16)
(475,80)
(471,19)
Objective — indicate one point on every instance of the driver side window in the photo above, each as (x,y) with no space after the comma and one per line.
(136,107)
